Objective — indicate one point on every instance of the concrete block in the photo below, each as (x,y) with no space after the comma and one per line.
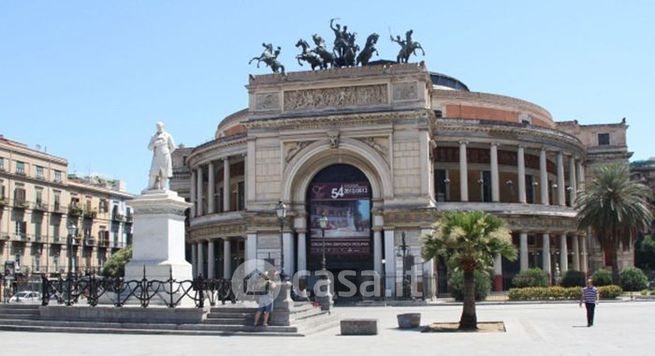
(359,327)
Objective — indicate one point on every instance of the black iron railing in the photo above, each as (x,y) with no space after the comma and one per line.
(92,289)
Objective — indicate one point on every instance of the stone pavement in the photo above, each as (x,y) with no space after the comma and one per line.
(623,328)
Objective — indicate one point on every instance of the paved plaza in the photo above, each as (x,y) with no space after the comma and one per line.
(622,328)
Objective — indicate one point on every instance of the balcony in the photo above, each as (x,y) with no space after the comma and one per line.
(38,238)
(58,209)
(88,241)
(118,217)
(129,218)
(58,240)
(4,237)
(39,206)
(103,242)
(90,214)
(21,236)
(75,211)
(21,204)
(3,201)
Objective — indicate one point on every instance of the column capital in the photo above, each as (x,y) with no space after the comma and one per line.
(493,143)
(463,142)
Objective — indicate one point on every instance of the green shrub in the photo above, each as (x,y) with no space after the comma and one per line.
(482,285)
(602,277)
(560,293)
(573,279)
(545,293)
(610,292)
(115,265)
(533,277)
(633,279)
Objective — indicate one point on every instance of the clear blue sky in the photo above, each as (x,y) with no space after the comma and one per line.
(88,79)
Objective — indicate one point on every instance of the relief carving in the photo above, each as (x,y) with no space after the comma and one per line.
(335,97)
(291,149)
(267,101)
(405,91)
(379,144)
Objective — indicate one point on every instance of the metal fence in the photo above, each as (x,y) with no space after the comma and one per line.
(94,290)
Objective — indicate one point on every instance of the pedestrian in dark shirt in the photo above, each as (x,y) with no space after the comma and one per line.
(590,299)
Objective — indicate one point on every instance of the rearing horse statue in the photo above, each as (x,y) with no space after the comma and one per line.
(365,55)
(308,55)
(269,58)
(408,47)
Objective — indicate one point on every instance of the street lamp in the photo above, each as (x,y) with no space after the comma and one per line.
(323,221)
(403,248)
(72,229)
(281,211)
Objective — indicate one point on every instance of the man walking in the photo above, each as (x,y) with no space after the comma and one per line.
(590,298)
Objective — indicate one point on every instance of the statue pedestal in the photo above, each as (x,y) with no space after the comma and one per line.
(158,242)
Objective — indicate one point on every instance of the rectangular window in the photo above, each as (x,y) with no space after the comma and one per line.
(55,232)
(55,263)
(20,168)
(2,164)
(19,195)
(38,199)
(37,230)
(21,230)
(241,205)
(603,139)
(57,176)
(57,201)
(2,189)
(39,172)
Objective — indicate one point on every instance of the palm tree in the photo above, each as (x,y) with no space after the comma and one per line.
(469,241)
(615,208)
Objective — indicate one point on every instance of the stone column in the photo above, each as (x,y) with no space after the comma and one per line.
(581,176)
(521,177)
(523,246)
(429,282)
(498,273)
(543,175)
(289,254)
(199,193)
(211,184)
(563,254)
(390,265)
(226,184)
(194,198)
(250,252)
(573,184)
(585,255)
(302,251)
(227,258)
(211,259)
(377,251)
(194,259)
(546,255)
(463,172)
(201,261)
(576,253)
(561,185)
(495,189)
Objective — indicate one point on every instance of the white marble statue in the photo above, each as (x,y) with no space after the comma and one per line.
(162,145)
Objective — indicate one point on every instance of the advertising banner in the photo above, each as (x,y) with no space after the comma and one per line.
(347,207)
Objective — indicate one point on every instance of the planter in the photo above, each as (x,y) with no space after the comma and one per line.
(409,320)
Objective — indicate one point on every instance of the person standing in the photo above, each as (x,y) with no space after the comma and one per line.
(265,301)
(590,297)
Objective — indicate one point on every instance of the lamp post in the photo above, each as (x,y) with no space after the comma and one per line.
(72,229)
(323,221)
(384,281)
(281,211)
(403,248)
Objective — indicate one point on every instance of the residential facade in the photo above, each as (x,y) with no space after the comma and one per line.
(382,151)
(39,200)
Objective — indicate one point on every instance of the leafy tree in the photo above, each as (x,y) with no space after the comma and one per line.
(615,208)
(115,266)
(469,241)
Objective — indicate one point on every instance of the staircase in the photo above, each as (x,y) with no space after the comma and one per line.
(224,320)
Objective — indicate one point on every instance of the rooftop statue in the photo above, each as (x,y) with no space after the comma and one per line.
(407,47)
(365,55)
(162,145)
(269,57)
(326,56)
(309,56)
(345,49)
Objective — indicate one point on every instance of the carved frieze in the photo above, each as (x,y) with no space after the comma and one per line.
(405,91)
(380,144)
(309,99)
(267,101)
(422,217)
(218,230)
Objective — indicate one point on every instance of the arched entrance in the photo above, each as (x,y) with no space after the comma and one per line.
(342,193)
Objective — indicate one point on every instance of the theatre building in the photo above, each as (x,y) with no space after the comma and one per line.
(381,151)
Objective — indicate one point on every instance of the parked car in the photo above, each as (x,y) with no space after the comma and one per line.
(27,296)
